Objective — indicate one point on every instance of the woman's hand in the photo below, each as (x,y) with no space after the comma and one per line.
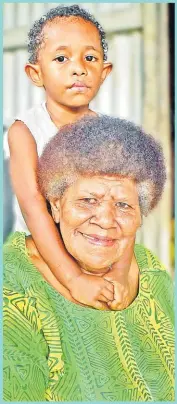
(92,291)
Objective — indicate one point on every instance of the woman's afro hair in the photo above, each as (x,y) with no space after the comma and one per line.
(103,145)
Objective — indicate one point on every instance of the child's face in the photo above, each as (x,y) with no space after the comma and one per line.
(70,62)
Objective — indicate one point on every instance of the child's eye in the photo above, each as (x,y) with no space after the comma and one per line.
(90,58)
(61,59)
(123,205)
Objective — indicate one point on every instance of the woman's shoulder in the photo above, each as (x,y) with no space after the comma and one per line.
(152,268)
(147,260)
(156,281)
(19,273)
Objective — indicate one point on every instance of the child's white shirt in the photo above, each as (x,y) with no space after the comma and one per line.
(38,120)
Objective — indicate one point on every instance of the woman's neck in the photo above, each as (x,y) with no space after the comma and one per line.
(119,270)
(125,278)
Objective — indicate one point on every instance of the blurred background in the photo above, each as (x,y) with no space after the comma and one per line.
(140,88)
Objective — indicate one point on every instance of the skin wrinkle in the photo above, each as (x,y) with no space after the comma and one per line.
(102,216)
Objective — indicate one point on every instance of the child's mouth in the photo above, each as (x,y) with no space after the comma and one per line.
(79,86)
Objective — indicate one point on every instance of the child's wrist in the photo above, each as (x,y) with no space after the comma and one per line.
(72,282)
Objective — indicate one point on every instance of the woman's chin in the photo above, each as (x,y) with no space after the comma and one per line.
(95,266)
(97,259)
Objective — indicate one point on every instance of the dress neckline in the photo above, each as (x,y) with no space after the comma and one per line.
(22,245)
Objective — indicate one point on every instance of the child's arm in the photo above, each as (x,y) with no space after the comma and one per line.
(87,289)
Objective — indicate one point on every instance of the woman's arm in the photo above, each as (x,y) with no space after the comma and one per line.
(23,166)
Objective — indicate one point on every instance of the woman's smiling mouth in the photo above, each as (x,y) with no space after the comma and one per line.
(99,240)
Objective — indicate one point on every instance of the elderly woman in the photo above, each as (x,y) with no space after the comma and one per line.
(100,176)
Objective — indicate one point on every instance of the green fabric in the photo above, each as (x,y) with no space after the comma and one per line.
(55,350)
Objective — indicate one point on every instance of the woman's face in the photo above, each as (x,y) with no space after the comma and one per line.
(98,217)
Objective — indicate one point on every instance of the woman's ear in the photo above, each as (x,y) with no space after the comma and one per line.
(107,68)
(55,208)
(33,71)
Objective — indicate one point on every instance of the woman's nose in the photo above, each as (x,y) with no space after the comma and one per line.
(104,216)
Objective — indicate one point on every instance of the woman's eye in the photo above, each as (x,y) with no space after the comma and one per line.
(91,201)
(123,205)
(90,58)
(61,59)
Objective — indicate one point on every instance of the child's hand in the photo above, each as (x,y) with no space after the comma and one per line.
(125,286)
(122,296)
(122,293)
(92,291)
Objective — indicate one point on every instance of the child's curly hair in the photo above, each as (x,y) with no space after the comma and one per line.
(36,37)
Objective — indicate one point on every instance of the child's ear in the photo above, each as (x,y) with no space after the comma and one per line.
(107,68)
(55,208)
(33,71)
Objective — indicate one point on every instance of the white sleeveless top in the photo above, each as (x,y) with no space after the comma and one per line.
(38,120)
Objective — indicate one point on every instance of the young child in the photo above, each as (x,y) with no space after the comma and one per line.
(68,55)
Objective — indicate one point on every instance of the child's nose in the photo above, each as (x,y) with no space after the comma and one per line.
(78,68)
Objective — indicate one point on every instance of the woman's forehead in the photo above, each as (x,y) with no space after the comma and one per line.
(101,185)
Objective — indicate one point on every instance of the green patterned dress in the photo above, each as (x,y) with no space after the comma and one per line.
(55,350)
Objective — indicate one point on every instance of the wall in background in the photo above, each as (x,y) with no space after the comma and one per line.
(137,89)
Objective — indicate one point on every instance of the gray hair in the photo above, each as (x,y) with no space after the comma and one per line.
(103,146)
(35,35)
